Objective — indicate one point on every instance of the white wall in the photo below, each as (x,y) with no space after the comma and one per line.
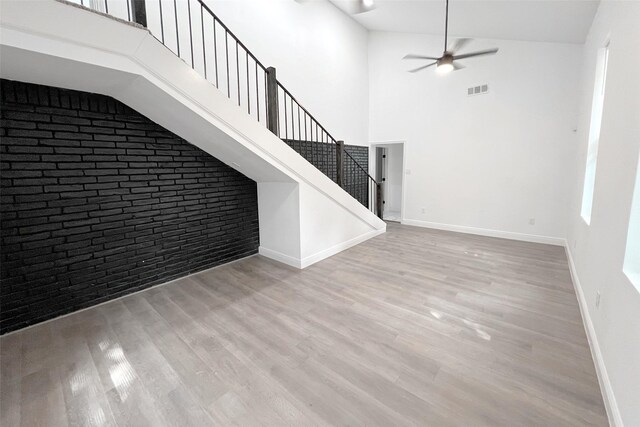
(327,228)
(300,226)
(320,55)
(489,162)
(598,249)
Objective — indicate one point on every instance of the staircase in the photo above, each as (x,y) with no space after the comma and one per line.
(217,96)
(194,33)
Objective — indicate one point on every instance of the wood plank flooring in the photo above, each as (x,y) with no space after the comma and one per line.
(413,327)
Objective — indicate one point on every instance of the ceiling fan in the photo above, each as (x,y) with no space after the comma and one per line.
(446,62)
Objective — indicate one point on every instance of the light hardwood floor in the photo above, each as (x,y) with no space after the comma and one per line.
(414,327)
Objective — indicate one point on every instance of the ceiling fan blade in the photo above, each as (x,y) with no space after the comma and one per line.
(458,44)
(422,68)
(457,66)
(479,53)
(412,56)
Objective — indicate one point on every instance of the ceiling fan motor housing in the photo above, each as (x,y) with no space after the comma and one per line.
(446,59)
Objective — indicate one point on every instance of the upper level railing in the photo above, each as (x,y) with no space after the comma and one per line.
(194,33)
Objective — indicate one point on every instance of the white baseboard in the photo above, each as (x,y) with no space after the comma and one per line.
(534,238)
(280,257)
(613,413)
(318,256)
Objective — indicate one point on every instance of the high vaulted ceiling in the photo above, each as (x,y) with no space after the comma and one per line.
(566,21)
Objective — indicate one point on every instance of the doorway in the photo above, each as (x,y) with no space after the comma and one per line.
(389,167)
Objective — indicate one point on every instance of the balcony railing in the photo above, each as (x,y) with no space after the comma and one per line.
(194,33)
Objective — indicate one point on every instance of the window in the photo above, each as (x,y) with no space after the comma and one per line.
(594,133)
(632,254)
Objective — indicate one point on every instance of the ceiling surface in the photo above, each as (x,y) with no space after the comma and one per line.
(564,21)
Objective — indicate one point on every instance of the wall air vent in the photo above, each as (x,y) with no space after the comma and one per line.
(478,90)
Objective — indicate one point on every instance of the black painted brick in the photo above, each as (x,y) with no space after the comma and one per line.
(98,201)
(323,156)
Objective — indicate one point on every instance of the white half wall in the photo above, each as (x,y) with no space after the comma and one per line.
(597,250)
(279,219)
(300,226)
(327,228)
(490,163)
(52,43)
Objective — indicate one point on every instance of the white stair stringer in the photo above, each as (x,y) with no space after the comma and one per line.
(304,216)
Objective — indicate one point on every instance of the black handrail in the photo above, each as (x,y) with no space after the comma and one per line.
(371,198)
(287,93)
(315,144)
(230,33)
(358,165)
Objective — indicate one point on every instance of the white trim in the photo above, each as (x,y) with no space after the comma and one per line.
(126,295)
(557,241)
(613,413)
(326,253)
(403,191)
(403,202)
(280,257)
(633,276)
(318,256)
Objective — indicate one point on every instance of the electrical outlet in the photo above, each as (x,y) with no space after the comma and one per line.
(532,221)
(423,210)
(598,299)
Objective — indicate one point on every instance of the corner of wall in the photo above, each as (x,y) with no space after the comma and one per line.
(279,219)
(613,412)
(533,238)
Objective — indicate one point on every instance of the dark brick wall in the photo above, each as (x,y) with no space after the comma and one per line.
(356,181)
(323,156)
(360,154)
(98,201)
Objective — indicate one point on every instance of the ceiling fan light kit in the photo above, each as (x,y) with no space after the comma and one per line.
(446,63)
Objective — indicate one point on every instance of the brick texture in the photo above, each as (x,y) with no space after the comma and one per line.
(97,201)
(323,156)
(356,178)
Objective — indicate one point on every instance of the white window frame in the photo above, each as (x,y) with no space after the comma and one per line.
(631,265)
(597,107)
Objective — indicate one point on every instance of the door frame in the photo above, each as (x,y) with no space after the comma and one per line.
(374,163)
